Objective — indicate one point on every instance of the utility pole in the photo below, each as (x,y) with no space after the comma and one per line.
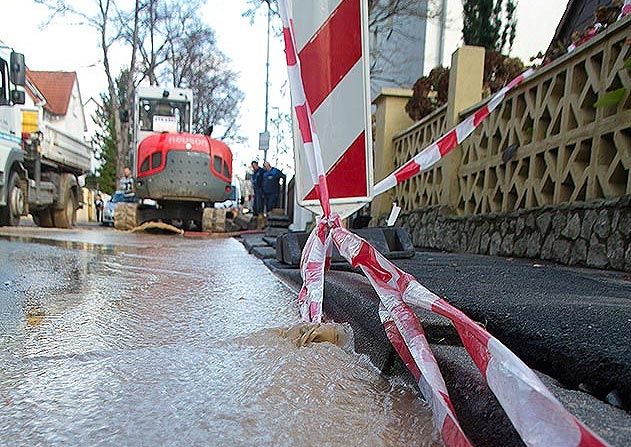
(266,132)
(441,35)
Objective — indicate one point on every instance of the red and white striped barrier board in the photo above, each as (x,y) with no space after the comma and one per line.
(448,142)
(310,147)
(330,39)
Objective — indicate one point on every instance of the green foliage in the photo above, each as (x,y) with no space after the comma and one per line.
(105,140)
(627,63)
(490,24)
(610,99)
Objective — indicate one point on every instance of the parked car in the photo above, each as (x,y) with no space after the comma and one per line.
(108,210)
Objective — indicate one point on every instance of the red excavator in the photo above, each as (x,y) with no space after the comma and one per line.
(179,175)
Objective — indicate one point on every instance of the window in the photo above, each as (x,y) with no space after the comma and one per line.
(144,167)
(4,82)
(226,170)
(217,163)
(156,160)
(177,111)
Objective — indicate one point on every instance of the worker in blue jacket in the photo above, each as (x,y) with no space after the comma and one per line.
(257,187)
(271,186)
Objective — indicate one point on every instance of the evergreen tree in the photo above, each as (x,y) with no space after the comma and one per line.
(489,23)
(105,142)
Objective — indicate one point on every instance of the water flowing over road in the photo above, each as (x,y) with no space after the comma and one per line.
(118,339)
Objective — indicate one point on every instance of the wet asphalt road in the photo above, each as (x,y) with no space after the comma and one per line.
(109,338)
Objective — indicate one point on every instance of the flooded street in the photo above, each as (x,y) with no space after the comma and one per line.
(120,339)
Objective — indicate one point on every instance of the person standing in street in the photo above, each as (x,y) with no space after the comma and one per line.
(98,206)
(271,186)
(257,187)
(126,183)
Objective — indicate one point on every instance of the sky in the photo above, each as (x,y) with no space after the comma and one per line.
(64,45)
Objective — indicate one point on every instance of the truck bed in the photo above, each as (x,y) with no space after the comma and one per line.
(59,147)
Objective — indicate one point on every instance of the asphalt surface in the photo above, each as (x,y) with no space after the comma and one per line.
(573,324)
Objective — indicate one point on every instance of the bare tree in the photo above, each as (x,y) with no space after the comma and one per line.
(102,15)
(195,62)
(161,23)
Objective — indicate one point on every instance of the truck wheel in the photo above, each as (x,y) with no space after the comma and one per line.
(43,218)
(126,216)
(16,203)
(67,216)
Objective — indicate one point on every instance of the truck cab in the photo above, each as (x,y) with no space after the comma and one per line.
(12,174)
(39,162)
(160,110)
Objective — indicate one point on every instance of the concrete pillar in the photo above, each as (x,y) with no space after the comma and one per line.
(466,79)
(391,118)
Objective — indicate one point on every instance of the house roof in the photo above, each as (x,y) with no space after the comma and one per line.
(55,86)
(578,15)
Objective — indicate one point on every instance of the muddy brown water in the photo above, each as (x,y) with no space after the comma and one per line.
(117,339)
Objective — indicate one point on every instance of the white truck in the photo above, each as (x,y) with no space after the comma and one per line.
(39,164)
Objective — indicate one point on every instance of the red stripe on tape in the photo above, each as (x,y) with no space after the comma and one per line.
(447,142)
(304,124)
(518,80)
(410,169)
(452,436)
(290,51)
(474,339)
(402,349)
(480,116)
(588,439)
(331,52)
(323,193)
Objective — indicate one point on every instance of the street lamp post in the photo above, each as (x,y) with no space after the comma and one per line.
(266,132)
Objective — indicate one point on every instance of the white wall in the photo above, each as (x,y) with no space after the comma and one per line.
(73,122)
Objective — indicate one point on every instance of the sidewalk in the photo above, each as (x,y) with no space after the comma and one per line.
(573,325)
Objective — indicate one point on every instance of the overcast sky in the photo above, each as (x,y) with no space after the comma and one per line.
(64,46)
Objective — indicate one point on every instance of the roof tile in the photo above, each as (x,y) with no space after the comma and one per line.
(56,86)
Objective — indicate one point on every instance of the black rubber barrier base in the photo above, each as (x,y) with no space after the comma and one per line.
(392,242)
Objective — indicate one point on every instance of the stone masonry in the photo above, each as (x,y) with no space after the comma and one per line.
(595,234)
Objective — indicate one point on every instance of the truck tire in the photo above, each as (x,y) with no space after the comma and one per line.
(66,217)
(126,216)
(16,202)
(43,218)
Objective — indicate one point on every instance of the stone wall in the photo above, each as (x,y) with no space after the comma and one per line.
(594,234)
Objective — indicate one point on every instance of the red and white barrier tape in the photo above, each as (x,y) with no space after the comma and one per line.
(626,9)
(538,417)
(304,117)
(315,260)
(448,142)
(536,414)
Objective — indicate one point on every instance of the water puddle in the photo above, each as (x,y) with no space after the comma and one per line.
(172,344)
